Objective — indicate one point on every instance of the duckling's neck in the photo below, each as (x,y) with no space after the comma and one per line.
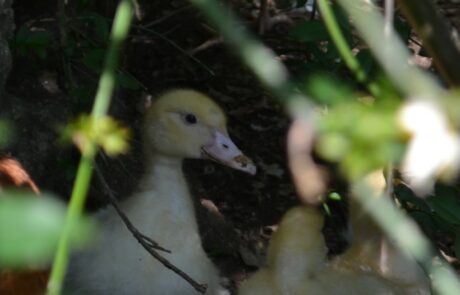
(164,174)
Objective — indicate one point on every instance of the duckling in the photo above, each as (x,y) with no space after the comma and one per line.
(297,263)
(371,249)
(179,124)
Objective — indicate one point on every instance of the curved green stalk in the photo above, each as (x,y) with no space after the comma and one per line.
(106,85)
(77,201)
(343,48)
(391,53)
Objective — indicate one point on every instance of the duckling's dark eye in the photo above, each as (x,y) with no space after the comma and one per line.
(190,119)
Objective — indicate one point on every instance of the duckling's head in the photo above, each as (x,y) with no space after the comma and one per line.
(184,123)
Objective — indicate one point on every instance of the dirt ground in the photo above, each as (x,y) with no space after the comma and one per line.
(179,49)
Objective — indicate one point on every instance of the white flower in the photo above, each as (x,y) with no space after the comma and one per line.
(434,148)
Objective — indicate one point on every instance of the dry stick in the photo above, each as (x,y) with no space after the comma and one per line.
(146,242)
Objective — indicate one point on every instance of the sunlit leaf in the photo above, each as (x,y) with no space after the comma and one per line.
(335,196)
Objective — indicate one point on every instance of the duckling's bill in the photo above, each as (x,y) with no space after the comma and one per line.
(222,149)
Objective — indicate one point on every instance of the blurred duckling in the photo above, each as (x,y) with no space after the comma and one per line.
(297,262)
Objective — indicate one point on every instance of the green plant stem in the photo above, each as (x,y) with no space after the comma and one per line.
(80,189)
(120,28)
(343,48)
(390,51)
(106,85)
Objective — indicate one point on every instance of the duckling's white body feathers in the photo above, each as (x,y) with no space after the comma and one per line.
(179,124)
(162,210)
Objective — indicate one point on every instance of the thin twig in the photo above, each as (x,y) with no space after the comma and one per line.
(172,13)
(146,242)
(173,44)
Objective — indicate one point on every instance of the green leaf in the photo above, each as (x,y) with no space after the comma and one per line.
(36,41)
(310,31)
(6,132)
(425,221)
(101,27)
(446,205)
(405,194)
(333,146)
(30,226)
(22,34)
(39,38)
(335,196)
(328,90)
(94,59)
(127,81)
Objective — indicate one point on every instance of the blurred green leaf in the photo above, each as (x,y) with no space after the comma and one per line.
(94,59)
(446,204)
(99,25)
(127,81)
(326,90)
(361,134)
(27,41)
(6,132)
(405,194)
(310,31)
(30,226)
(333,146)
(335,196)
(101,28)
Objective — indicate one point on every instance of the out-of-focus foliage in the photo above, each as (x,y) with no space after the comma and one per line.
(29,41)
(437,215)
(89,133)
(354,125)
(6,132)
(88,35)
(30,227)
